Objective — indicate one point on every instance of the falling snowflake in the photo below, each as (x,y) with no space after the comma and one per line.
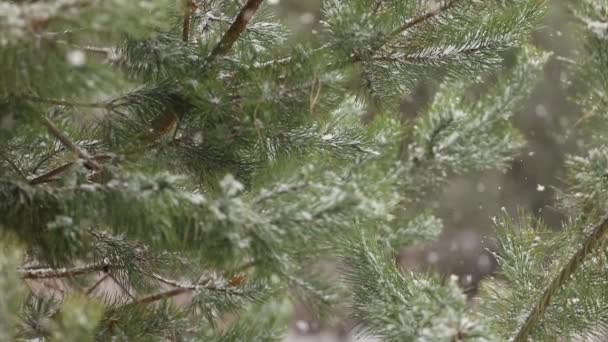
(76,58)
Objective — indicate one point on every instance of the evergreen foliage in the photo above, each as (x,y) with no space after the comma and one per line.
(202,159)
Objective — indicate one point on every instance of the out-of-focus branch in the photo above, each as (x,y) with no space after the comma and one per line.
(236,29)
(65,140)
(48,273)
(591,243)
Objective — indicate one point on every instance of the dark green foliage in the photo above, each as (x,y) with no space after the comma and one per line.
(206,182)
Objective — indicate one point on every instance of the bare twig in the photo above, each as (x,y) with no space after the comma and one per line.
(424,17)
(413,22)
(48,273)
(97,283)
(591,243)
(186,22)
(50,176)
(236,29)
(207,283)
(122,287)
(65,140)
(162,295)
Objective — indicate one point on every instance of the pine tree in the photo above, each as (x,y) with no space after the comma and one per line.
(176,171)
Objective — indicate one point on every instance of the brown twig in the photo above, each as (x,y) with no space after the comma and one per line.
(207,283)
(162,295)
(236,29)
(97,283)
(186,22)
(122,287)
(591,243)
(49,176)
(65,140)
(424,17)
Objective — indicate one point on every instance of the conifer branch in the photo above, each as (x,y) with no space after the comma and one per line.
(122,287)
(65,140)
(591,243)
(49,176)
(49,273)
(181,288)
(417,21)
(97,283)
(12,165)
(424,17)
(162,295)
(236,29)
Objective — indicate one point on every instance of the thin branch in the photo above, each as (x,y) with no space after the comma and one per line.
(13,165)
(49,273)
(208,283)
(591,243)
(50,176)
(186,22)
(236,29)
(181,288)
(68,103)
(65,140)
(122,287)
(170,282)
(424,17)
(415,22)
(97,283)
(45,159)
(162,295)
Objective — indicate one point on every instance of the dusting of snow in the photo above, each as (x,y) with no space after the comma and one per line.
(231,186)
(600,29)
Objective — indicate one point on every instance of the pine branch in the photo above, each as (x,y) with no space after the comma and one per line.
(13,165)
(591,243)
(417,21)
(236,29)
(424,17)
(181,287)
(97,283)
(49,273)
(122,286)
(162,295)
(65,140)
(50,176)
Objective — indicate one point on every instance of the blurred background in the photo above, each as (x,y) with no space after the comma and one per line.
(467,204)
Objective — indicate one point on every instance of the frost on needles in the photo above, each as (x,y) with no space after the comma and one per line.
(203,159)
